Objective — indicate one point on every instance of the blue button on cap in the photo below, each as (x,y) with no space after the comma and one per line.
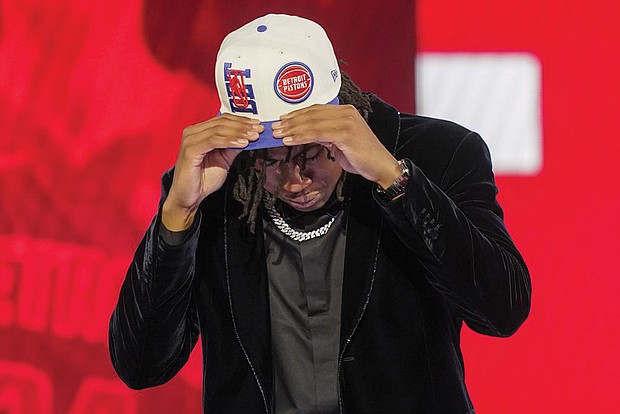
(261,28)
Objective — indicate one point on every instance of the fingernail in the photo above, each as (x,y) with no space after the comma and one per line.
(242,142)
(252,134)
(257,127)
(277,132)
(276,125)
(287,140)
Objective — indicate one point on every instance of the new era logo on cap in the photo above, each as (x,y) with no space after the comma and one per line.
(274,65)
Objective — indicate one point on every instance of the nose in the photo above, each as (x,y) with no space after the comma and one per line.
(296,181)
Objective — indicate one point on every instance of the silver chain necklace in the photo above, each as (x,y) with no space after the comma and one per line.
(297,235)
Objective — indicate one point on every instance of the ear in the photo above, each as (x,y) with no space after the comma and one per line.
(330,155)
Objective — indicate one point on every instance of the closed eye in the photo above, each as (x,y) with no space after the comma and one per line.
(270,163)
(312,154)
(314,157)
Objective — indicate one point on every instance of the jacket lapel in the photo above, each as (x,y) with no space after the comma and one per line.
(360,254)
(364,228)
(248,289)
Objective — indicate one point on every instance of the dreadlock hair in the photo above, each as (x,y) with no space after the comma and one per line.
(248,188)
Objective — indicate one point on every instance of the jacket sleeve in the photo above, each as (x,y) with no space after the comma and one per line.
(455,228)
(154,326)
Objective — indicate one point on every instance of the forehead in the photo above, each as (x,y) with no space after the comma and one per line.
(280,153)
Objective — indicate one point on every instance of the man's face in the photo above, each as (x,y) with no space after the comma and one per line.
(309,178)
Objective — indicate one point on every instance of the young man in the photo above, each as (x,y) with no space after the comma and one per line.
(325,246)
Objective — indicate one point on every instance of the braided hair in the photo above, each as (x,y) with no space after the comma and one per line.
(248,188)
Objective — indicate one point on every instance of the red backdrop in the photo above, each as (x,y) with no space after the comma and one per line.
(93,96)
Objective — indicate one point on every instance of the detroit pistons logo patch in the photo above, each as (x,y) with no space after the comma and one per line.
(294,82)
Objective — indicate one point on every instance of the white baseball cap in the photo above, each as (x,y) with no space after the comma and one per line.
(272,66)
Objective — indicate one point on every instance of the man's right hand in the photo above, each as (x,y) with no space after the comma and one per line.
(207,151)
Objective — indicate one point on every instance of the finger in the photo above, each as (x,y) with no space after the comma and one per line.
(341,114)
(222,118)
(224,134)
(197,148)
(295,120)
(319,130)
(220,142)
(319,111)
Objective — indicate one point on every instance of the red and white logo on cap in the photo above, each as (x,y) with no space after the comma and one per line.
(294,82)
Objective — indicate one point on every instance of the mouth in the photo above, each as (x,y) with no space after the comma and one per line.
(303,201)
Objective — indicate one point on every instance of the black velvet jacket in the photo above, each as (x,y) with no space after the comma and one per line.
(414,271)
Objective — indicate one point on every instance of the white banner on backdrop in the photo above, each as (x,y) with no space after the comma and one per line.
(495,94)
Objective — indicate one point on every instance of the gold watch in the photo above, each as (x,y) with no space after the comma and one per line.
(397,188)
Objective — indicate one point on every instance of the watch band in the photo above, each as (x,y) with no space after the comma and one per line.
(397,188)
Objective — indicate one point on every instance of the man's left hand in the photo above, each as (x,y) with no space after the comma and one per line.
(342,129)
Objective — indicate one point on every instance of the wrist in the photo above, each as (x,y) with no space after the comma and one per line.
(390,175)
(176,218)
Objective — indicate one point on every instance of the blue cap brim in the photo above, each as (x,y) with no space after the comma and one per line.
(266,139)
